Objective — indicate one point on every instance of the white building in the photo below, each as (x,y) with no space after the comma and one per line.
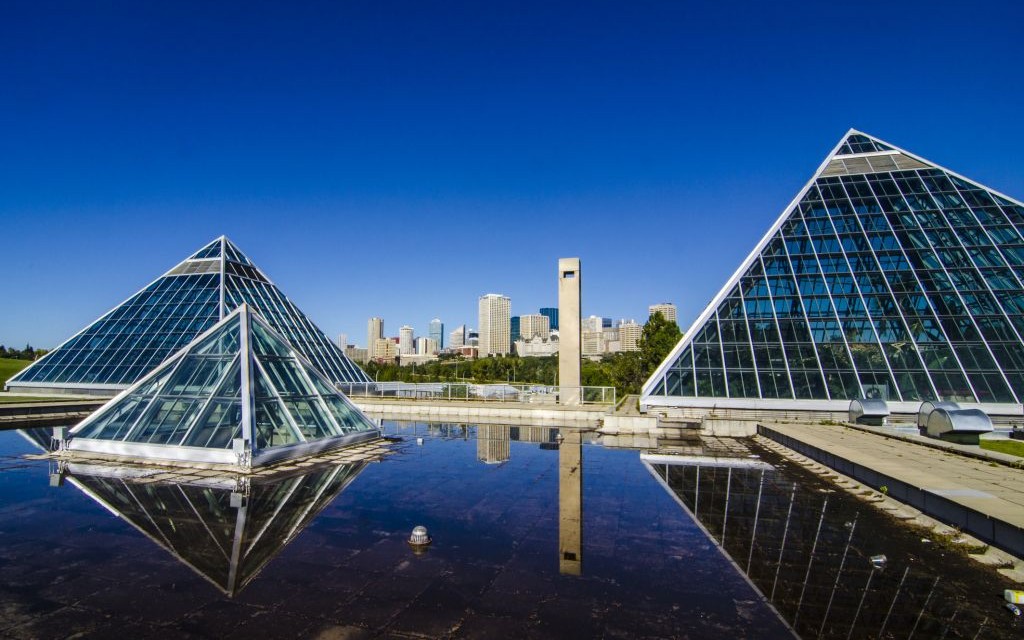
(592,342)
(629,335)
(667,309)
(536,347)
(406,340)
(495,324)
(343,341)
(534,325)
(593,323)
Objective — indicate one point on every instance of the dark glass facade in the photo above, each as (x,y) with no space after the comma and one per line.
(129,341)
(552,316)
(891,278)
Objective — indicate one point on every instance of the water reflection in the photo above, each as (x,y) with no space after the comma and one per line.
(226,528)
(832,567)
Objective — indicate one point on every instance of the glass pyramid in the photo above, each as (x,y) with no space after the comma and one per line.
(140,333)
(238,395)
(888,276)
(225,530)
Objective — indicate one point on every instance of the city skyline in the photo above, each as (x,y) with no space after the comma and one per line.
(656,143)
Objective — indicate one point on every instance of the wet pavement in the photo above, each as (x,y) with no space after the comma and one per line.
(321,552)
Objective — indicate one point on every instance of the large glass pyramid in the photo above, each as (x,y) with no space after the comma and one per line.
(140,333)
(239,395)
(888,276)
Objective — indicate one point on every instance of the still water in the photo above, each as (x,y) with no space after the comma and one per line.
(533,536)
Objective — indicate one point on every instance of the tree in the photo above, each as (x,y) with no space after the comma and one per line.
(659,336)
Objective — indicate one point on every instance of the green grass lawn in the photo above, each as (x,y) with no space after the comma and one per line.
(1012,447)
(9,367)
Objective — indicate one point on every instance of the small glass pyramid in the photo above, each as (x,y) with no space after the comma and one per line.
(239,395)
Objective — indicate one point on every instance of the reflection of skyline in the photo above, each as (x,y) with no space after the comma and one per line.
(493,441)
(224,527)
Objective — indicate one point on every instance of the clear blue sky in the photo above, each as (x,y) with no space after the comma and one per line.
(401,159)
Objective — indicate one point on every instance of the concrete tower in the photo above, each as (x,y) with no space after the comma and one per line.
(569,330)
(374,332)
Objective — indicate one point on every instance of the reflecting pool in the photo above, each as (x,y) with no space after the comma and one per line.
(536,532)
(533,535)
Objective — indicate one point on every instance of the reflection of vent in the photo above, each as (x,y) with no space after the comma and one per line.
(890,161)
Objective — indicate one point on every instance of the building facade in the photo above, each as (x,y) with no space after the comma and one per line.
(887,277)
(495,314)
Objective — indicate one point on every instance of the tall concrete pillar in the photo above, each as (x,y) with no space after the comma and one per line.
(570,502)
(569,330)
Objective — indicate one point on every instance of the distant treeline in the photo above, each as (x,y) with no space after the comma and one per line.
(28,353)
(625,371)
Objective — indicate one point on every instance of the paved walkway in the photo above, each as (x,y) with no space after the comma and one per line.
(983,498)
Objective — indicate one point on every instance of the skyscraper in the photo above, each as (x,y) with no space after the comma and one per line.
(374,332)
(406,341)
(552,315)
(887,276)
(667,310)
(515,331)
(436,332)
(495,313)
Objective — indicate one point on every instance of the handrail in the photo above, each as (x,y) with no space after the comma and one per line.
(455,391)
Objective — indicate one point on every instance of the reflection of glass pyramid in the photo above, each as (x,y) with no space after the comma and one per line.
(140,333)
(886,277)
(225,528)
(238,395)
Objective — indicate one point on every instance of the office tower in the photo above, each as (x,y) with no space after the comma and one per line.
(437,332)
(495,313)
(374,332)
(515,331)
(343,341)
(426,346)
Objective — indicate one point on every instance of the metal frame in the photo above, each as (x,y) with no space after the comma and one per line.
(649,398)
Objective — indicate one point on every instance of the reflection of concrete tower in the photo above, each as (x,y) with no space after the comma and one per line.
(493,443)
(570,503)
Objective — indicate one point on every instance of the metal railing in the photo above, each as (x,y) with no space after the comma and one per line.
(525,393)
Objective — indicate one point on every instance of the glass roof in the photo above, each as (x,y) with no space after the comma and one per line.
(239,382)
(140,333)
(859,143)
(905,285)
